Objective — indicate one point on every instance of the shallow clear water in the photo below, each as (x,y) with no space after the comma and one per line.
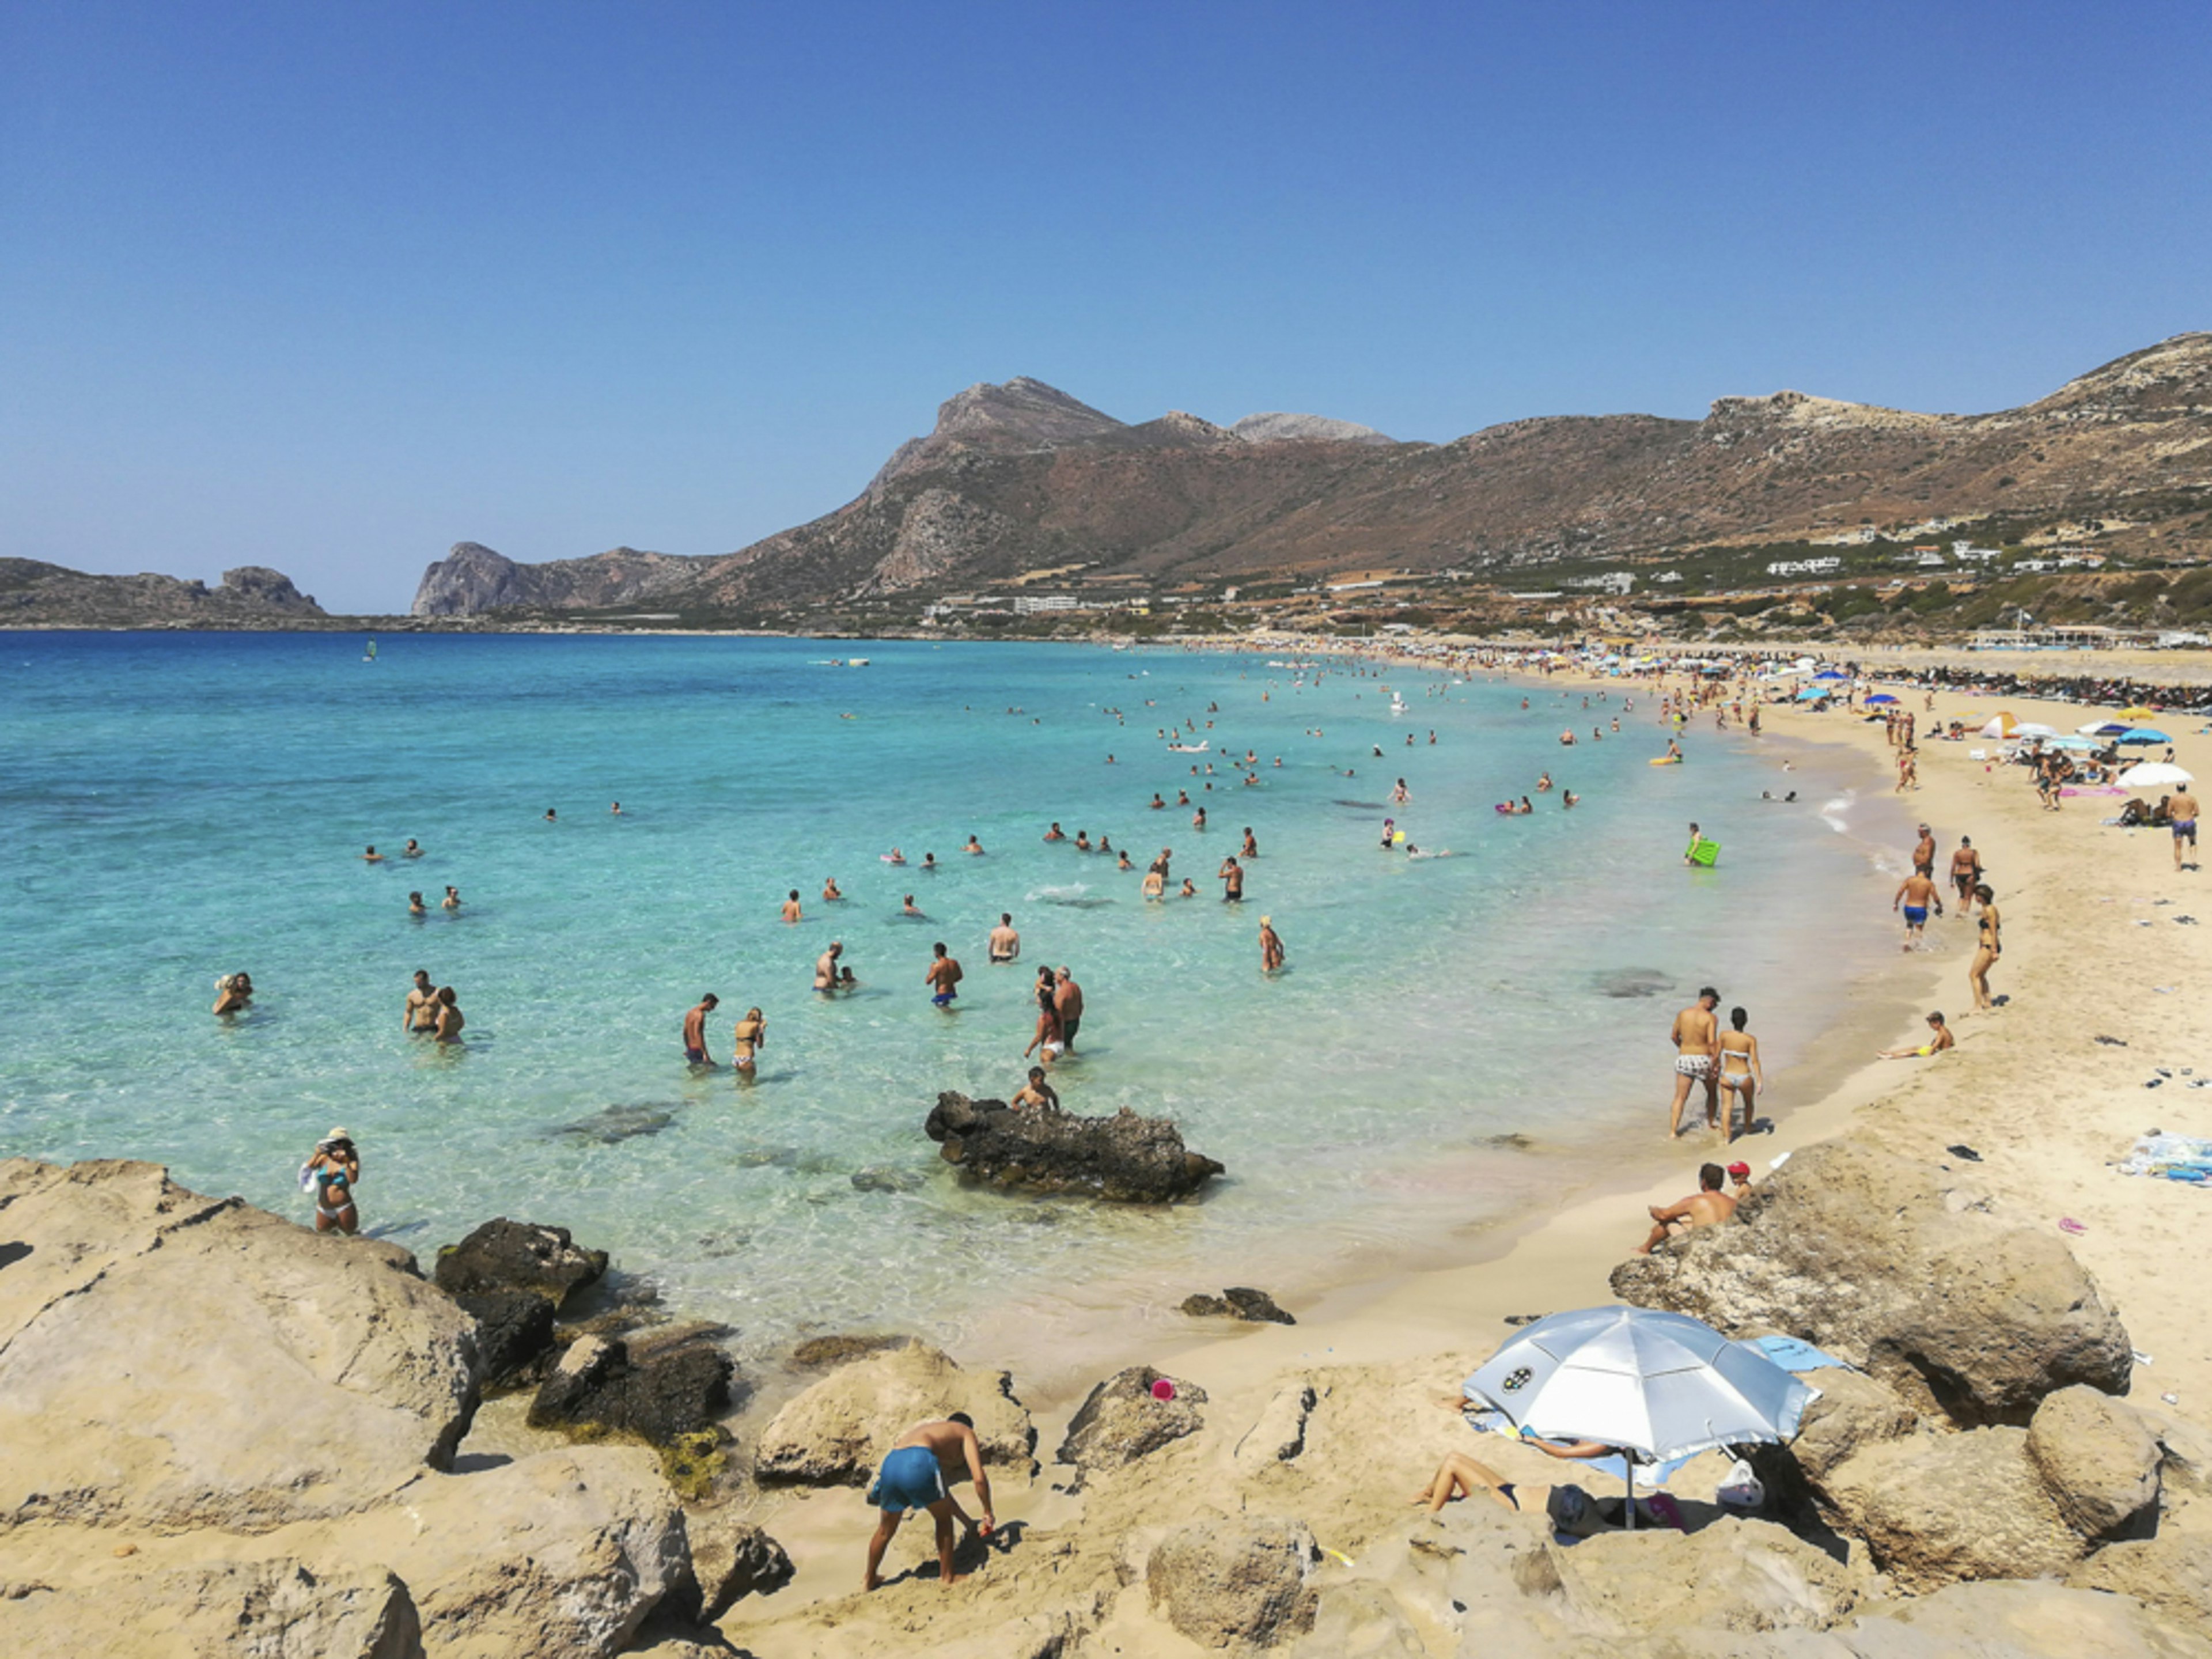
(181,806)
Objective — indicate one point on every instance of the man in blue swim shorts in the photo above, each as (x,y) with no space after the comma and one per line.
(912,1478)
(943,978)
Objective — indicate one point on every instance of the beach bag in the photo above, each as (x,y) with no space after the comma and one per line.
(1743,1490)
(1572,1511)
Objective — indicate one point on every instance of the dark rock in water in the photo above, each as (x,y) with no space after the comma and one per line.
(618,1123)
(1632,982)
(1125,1158)
(676,1392)
(514,1335)
(1237,1301)
(518,1255)
(1367,805)
(1123,1421)
(820,1353)
(887,1180)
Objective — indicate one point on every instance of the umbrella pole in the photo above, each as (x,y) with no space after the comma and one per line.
(1629,1463)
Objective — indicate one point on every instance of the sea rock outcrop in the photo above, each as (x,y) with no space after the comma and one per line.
(1236,1583)
(836,1432)
(1123,1418)
(1855,1248)
(519,1255)
(186,1361)
(1237,1301)
(278,1608)
(1125,1158)
(514,1335)
(2099,1461)
(1942,1509)
(676,1391)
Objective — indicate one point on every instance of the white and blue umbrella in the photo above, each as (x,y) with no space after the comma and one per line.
(1661,1385)
(2143,734)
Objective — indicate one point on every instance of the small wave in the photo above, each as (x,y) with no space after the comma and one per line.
(1836,813)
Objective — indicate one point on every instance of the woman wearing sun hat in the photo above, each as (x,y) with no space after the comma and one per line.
(333,1172)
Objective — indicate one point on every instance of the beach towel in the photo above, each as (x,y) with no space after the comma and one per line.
(1795,1354)
(2171,1158)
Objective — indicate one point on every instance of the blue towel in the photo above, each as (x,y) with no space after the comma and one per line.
(1795,1354)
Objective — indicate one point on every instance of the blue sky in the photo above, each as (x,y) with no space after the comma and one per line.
(329,287)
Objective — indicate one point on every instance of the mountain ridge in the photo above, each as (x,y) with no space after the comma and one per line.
(1020,477)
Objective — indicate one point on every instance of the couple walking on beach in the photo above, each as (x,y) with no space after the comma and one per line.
(1705,1054)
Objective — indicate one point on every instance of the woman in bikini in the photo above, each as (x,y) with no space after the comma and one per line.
(448,1016)
(335,1170)
(1048,1043)
(1741,1074)
(235,994)
(1987,953)
(752,1034)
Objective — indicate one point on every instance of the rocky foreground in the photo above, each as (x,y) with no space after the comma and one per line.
(221,1433)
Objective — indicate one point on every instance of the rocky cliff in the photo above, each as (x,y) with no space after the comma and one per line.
(37,595)
(1020,476)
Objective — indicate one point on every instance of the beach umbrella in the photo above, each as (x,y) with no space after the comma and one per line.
(1660,1385)
(1832,674)
(1813,691)
(2000,726)
(2102,728)
(2151,775)
(2030,729)
(2137,714)
(1881,696)
(2144,734)
(2073,744)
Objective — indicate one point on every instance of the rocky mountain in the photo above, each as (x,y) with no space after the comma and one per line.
(1020,477)
(37,595)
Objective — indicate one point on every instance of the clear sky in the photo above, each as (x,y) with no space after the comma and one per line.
(330,287)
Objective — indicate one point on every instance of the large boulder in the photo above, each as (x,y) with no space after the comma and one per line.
(2099,1461)
(1122,1419)
(519,1255)
(1733,1575)
(836,1432)
(678,1391)
(1855,1248)
(1237,1301)
(2020,1621)
(1853,1411)
(2171,1572)
(185,1361)
(272,1609)
(1937,1509)
(733,1559)
(1241,1583)
(1127,1158)
(514,1335)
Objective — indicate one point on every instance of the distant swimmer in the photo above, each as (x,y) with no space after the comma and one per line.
(1231,876)
(414,907)
(1566,740)
(1160,864)
(929,864)
(1005,944)
(1544,783)
(453,899)
(1083,841)
(829,889)
(419,1013)
(791,906)
(1401,796)
(1673,750)
(233,992)
(1157,805)
(1939,1039)
(1182,797)
(1056,833)
(695,1030)
(1914,896)
(616,809)
(1067,1003)
(410,851)
(1198,819)
(1048,1043)
(974,848)
(450,1020)
(1251,849)
(333,1172)
(1568,797)
(894,857)
(552,816)
(825,967)
(943,977)
(845,980)
(908,908)
(372,856)
(1123,858)
(1035,1094)
(1270,946)
(1694,1033)
(1109,760)
(749,1036)
(1155,882)
(1708,1206)
(1187,891)
(1105,843)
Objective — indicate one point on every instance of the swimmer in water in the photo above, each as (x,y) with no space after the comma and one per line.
(233,992)
(1187,891)
(1157,805)
(372,856)
(895,857)
(908,908)
(1270,946)
(1155,883)
(1005,945)
(1124,864)
(974,848)
(449,1015)
(1035,1094)
(829,892)
(1056,833)
(419,1014)
(410,851)
(552,816)
(825,967)
(415,905)
(791,906)
(616,809)
(452,901)
(1251,849)
(929,864)
(943,977)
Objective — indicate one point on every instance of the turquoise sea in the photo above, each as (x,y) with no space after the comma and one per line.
(184,805)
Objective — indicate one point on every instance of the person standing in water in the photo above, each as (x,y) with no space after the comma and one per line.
(234,993)
(943,977)
(695,1030)
(791,906)
(1693,1034)
(1270,946)
(420,1011)
(334,1171)
(1742,1074)
(748,1039)
(1067,1003)
(1914,895)
(1232,881)
(450,1021)
(1005,944)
